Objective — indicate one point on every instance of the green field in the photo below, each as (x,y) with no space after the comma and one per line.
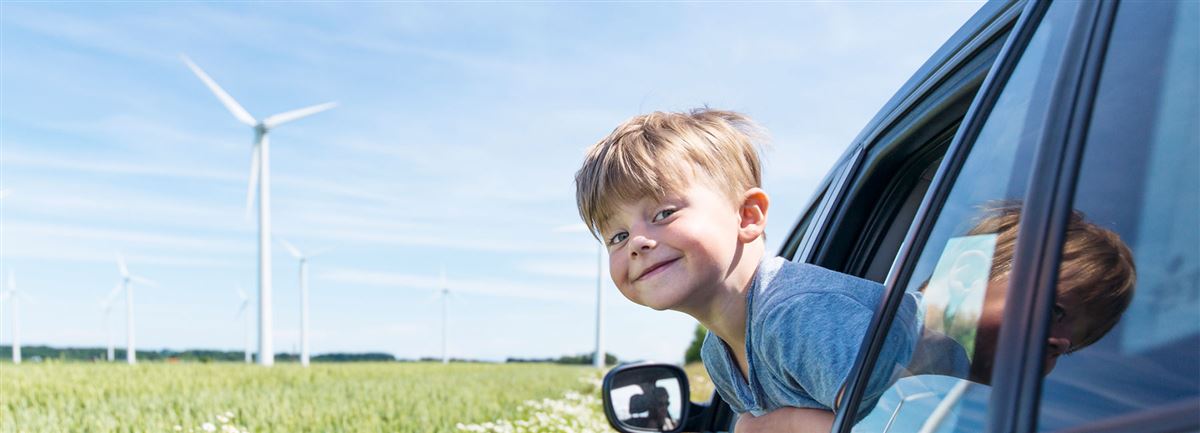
(352,397)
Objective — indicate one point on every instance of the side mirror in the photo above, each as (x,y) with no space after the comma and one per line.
(646,397)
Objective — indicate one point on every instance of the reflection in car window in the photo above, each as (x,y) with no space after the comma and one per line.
(954,270)
(1139,179)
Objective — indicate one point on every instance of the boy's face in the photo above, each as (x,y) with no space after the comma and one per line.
(663,254)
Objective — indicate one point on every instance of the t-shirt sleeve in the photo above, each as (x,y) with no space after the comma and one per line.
(812,340)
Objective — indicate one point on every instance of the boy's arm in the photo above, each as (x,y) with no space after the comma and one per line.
(786,420)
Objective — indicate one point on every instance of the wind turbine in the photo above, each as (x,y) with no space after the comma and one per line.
(303,296)
(106,305)
(260,170)
(445,292)
(125,284)
(3,297)
(15,295)
(242,313)
(598,358)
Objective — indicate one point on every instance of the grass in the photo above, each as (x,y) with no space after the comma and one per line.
(359,397)
(701,385)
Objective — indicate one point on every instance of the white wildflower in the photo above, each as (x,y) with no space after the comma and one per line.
(208,427)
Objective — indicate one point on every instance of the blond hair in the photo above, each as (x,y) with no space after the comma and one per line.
(1097,267)
(655,154)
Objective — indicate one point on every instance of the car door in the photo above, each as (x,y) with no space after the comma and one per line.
(1086,124)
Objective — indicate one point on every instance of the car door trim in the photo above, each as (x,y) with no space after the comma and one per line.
(1017,372)
(940,188)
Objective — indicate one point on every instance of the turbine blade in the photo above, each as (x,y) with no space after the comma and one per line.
(291,249)
(250,190)
(113,294)
(121,266)
(242,293)
(234,108)
(281,118)
(143,281)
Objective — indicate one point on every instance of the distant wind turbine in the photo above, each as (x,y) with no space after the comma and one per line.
(260,170)
(445,292)
(241,312)
(295,252)
(126,284)
(15,296)
(106,305)
(3,297)
(598,358)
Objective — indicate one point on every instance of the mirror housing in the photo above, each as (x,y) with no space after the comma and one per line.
(646,397)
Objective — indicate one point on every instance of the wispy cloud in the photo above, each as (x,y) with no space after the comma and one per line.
(477,286)
(561,268)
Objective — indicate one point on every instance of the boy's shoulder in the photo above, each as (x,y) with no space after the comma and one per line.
(781,281)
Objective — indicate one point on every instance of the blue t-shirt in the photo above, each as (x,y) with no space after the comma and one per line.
(804,326)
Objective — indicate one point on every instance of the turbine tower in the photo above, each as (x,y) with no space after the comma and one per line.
(598,357)
(106,305)
(245,329)
(3,297)
(126,284)
(260,173)
(295,252)
(445,298)
(15,296)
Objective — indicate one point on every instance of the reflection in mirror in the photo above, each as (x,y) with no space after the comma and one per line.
(647,399)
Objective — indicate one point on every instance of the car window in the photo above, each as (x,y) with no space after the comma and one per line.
(1133,245)
(959,285)
(799,233)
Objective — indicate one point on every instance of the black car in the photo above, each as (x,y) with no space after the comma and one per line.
(1065,111)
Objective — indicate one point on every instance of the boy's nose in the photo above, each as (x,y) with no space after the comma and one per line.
(640,244)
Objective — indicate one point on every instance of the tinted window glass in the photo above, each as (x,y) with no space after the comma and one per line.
(1138,240)
(960,287)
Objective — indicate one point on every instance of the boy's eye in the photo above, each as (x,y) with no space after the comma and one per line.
(663,214)
(617,238)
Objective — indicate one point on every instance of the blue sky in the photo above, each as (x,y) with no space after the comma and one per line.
(455,144)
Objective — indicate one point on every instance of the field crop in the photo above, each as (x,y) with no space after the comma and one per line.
(359,397)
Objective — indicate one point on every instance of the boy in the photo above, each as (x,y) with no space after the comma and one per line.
(677,200)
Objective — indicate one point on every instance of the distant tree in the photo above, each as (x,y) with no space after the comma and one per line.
(693,350)
(580,359)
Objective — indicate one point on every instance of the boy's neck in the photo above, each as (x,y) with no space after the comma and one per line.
(724,311)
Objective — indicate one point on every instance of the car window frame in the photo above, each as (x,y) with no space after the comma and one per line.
(1079,101)
(1027,19)
(1017,378)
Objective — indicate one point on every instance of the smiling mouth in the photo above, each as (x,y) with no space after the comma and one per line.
(655,269)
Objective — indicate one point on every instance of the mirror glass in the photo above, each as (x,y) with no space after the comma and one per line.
(647,399)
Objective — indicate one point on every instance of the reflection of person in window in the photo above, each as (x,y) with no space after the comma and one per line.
(1095,285)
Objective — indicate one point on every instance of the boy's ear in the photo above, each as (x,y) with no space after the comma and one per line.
(753,214)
